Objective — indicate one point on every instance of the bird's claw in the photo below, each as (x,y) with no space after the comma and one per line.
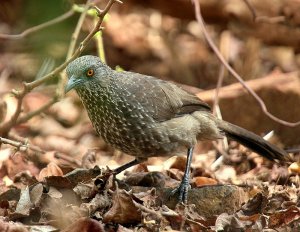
(182,191)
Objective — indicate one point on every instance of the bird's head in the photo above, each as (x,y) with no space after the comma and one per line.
(85,71)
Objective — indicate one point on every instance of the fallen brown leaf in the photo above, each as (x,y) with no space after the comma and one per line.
(52,169)
(284,217)
(85,225)
(201,180)
(123,210)
(294,168)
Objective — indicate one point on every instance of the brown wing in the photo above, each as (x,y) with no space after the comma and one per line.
(164,100)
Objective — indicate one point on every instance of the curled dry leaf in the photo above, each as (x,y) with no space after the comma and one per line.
(99,202)
(284,217)
(294,168)
(175,173)
(123,210)
(140,168)
(177,162)
(18,163)
(54,193)
(3,110)
(51,170)
(255,205)
(226,173)
(11,106)
(227,222)
(85,190)
(85,225)
(201,180)
(36,194)
(249,216)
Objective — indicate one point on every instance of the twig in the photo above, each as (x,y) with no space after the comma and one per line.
(234,73)
(31,114)
(99,40)
(251,8)
(5,127)
(67,158)
(27,87)
(157,214)
(23,140)
(219,85)
(77,30)
(74,38)
(271,20)
(38,27)
(293,150)
(264,19)
(171,213)
(100,46)
(19,145)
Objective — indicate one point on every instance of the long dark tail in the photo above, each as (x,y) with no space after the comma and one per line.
(253,141)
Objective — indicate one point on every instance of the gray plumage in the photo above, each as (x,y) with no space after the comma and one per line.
(144,116)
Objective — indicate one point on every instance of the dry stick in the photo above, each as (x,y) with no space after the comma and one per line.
(159,215)
(100,46)
(251,8)
(74,38)
(31,114)
(293,150)
(77,30)
(217,112)
(77,52)
(265,19)
(234,73)
(21,146)
(33,147)
(39,27)
(27,87)
(5,127)
(16,144)
(219,85)
(68,158)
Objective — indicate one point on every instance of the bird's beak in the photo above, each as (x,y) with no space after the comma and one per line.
(72,83)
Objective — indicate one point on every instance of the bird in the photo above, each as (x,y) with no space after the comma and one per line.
(144,116)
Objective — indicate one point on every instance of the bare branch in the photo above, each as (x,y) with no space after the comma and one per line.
(76,32)
(265,19)
(74,38)
(251,8)
(31,114)
(233,72)
(39,27)
(27,87)
(21,146)
(5,127)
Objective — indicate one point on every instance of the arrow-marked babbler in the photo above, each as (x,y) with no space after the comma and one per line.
(147,117)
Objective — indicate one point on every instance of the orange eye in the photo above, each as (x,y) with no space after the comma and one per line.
(90,72)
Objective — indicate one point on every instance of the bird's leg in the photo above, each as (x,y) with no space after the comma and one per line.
(101,181)
(127,165)
(184,185)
